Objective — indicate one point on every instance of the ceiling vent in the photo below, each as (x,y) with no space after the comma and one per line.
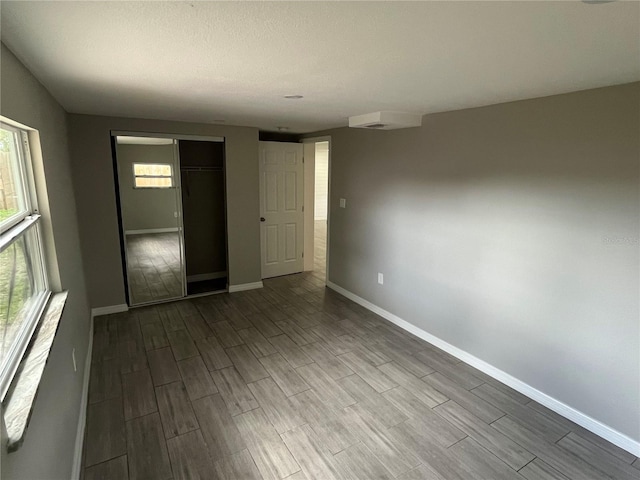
(386,120)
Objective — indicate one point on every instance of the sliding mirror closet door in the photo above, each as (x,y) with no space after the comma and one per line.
(150,206)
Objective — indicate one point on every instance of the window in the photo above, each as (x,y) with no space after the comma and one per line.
(152,175)
(24,288)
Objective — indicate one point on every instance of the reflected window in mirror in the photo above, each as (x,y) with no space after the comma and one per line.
(152,175)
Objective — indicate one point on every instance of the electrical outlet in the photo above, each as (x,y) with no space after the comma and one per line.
(380,278)
(73,357)
(343,203)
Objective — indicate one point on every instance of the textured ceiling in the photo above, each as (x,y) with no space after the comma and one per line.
(234,61)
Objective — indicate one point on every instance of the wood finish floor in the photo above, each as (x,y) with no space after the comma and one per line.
(320,248)
(295,381)
(153,266)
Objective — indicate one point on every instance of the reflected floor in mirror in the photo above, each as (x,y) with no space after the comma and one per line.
(153,265)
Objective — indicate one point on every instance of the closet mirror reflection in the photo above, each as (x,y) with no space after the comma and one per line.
(171,201)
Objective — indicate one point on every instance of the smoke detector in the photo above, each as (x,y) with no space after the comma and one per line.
(386,120)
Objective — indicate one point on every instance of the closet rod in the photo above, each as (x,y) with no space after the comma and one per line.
(201,169)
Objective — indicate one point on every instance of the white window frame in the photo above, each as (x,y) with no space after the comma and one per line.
(17,229)
(164,164)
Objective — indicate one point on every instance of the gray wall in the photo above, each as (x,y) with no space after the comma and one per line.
(145,208)
(95,195)
(50,439)
(511,232)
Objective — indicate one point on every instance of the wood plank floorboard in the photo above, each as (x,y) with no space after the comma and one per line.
(269,452)
(331,365)
(328,424)
(501,446)
(294,381)
(147,449)
(234,391)
(281,412)
(246,363)
(189,457)
(110,470)
(326,387)
(105,381)
(139,396)
(218,428)
(430,423)
(369,373)
(608,447)
(226,334)
(424,391)
(373,402)
(535,421)
(163,366)
(196,378)
(238,466)
(395,457)
(597,457)
(538,470)
(284,374)
(358,461)
(175,409)
(182,344)
(151,257)
(105,431)
(310,454)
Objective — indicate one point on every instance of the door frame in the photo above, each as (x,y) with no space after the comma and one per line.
(324,138)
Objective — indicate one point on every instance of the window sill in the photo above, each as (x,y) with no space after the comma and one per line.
(21,396)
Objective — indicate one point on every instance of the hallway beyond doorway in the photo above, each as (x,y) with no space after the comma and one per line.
(320,249)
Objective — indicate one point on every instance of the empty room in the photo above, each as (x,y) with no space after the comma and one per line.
(320,240)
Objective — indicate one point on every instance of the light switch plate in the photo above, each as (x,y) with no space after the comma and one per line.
(380,278)
(343,203)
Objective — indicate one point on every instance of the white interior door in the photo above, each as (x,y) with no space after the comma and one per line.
(281,208)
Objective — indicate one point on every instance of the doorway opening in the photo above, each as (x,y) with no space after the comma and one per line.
(320,209)
(317,192)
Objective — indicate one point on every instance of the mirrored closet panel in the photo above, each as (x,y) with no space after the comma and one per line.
(171,199)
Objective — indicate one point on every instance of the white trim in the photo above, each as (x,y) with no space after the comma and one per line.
(15,232)
(200,277)
(309,173)
(327,242)
(152,230)
(245,286)
(174,136)
(591,424)
(96,312)
(82,418)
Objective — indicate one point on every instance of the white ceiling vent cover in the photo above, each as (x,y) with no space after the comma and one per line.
(386,120)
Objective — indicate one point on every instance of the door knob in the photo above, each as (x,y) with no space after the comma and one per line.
(262,219)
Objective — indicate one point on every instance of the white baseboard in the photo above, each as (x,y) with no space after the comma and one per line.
(109,309)
(82,419)
(200,277)
(151,230)
(245,286)
(591,424)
